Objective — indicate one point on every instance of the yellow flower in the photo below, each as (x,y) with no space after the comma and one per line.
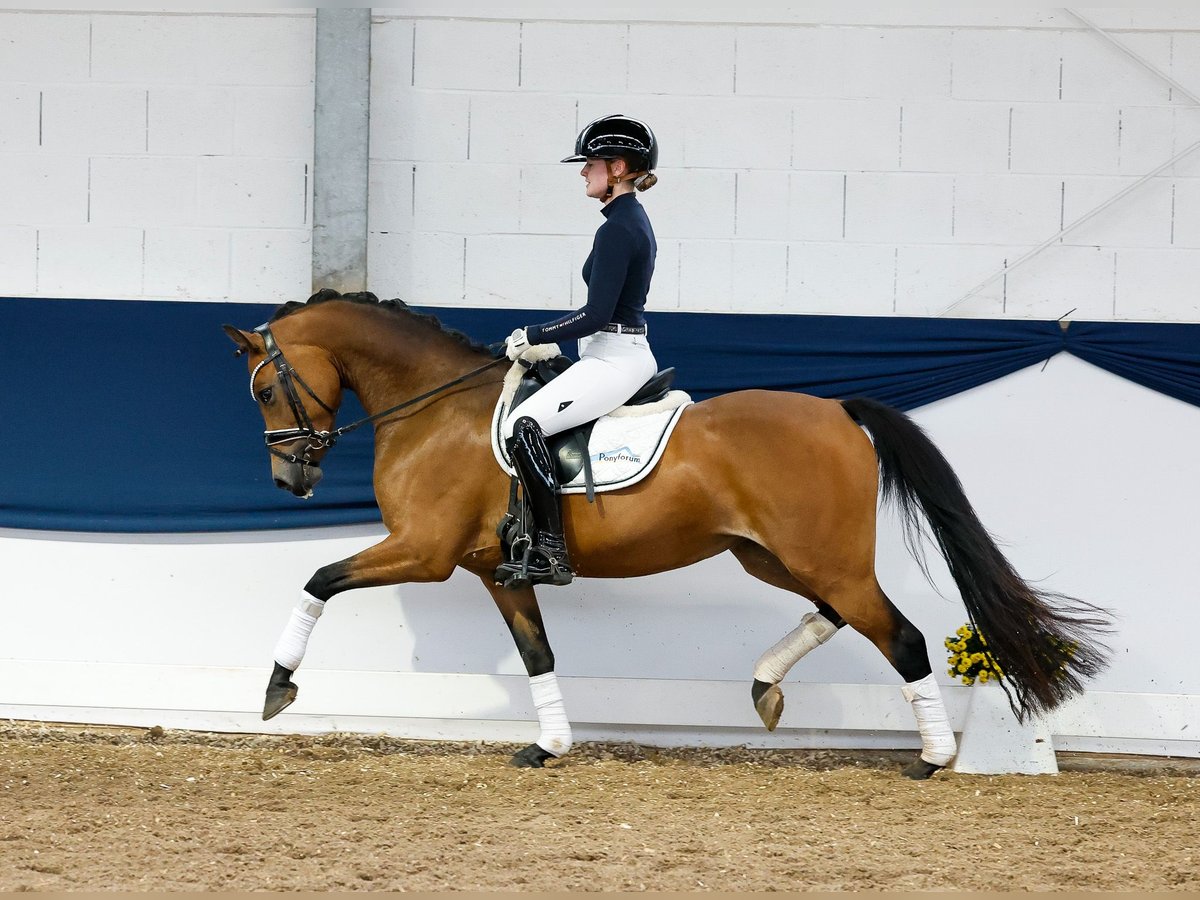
(983,677)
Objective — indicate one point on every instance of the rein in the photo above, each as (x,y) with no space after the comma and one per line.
(319,440)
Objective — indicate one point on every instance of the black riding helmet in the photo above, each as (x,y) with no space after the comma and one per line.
(613,137)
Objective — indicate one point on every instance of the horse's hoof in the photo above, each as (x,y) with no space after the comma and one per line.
(532,757)
(768,700)
(919,770)
(279,698)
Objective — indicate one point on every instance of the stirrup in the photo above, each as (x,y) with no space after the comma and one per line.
(536,566)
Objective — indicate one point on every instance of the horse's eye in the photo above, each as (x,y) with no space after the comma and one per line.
(266,394)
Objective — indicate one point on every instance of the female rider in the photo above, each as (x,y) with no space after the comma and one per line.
(619,155)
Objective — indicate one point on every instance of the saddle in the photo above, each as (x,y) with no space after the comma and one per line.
(569,449)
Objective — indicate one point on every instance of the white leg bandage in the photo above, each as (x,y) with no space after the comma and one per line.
(814,630)
(289,651)
(937,739)
(552,715)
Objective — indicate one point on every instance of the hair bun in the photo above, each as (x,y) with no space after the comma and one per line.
(645,182)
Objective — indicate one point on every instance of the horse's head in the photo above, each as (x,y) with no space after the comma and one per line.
(298,409)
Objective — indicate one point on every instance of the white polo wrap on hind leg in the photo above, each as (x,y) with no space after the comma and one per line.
(814,630)
(937,738)
(289,650)
(552,714)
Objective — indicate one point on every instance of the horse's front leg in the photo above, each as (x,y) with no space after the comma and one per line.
(391,561)
(524,620)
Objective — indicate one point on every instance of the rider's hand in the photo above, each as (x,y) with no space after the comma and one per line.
(516,344)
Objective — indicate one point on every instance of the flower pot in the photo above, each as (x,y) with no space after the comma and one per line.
(995,743)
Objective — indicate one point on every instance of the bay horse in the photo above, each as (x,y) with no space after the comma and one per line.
(787,483)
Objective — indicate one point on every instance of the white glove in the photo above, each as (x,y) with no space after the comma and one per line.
(516,344)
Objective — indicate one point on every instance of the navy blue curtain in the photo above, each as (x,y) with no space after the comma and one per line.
(134,416)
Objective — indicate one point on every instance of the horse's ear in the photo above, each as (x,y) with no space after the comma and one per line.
(243,339)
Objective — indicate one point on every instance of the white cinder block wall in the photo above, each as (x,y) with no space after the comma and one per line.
(157,156)
(871,161)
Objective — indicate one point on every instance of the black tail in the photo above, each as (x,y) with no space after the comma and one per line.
(1044,642)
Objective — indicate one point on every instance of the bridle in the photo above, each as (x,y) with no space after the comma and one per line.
(305,430)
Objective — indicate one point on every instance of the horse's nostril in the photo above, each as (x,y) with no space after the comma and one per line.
(282,485)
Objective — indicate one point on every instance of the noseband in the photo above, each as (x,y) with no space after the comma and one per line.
(305,430)
(288,379)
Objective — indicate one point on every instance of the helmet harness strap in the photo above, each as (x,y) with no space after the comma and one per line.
(613,180)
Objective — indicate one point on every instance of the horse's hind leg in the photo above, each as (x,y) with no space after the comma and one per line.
(815,629)
(524,620)
(867,609)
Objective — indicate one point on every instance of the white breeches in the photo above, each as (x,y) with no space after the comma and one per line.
(610,370)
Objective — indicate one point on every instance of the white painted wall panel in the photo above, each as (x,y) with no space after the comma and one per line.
(1185,231)
(94,118)
(553,201)
(244,192)
(846,135)
(238,50)
(186,263)
(466,199)
(519,128)
(930,278)
(1006,209)
(573,57)
(467,55)
(409,124)
(798,206)
(42,48)
(760,271)
(143,191)
(699,204)
(20,110)
(1010,65)
(1142,218)
(274,122)
(90,262)
(421,268)
(677,59)
(391,192)
(899,63)
(841,279)
(1093,70)
(39,189)
(1145,138)
(18,253)
(1076,282)
(739,133)
(955,137)
(790,62)
(518,270)
(270,265)
(191,121)
(1158,285)
(893,208)
(1075,139)
(706,273)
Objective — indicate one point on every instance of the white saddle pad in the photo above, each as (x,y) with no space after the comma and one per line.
(624,446)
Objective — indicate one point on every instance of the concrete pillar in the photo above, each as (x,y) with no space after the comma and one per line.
(340,152)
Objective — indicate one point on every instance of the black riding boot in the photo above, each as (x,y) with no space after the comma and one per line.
(546,561)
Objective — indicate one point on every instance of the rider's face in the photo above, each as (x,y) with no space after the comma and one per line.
(596,174)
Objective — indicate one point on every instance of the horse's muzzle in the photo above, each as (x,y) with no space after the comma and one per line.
(295,478)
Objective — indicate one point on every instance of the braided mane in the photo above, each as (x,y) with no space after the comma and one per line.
(395,305)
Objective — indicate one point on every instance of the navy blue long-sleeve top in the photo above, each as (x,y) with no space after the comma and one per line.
(617,273)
